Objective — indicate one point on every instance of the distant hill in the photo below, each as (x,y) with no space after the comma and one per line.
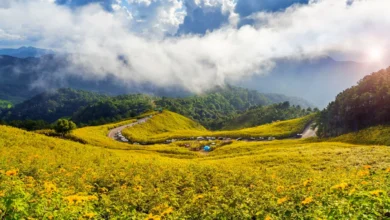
(52,105)
(361,106)
(260,115)
(25,52)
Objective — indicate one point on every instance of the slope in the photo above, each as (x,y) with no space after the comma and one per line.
(167,126)
(44,178)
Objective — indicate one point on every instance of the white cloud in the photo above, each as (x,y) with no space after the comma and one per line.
(199,62)
(9,37)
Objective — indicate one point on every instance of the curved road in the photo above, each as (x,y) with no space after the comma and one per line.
(116,133)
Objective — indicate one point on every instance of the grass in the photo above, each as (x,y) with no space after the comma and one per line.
(377,135)
(169,125)
(48,178)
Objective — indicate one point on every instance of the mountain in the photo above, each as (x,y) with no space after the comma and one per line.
(25,52)
(21,79)
(363,105)
(88,108)
(317,80)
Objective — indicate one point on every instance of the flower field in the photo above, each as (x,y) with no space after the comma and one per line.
(48,178)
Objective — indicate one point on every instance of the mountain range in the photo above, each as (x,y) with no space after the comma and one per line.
(28,71)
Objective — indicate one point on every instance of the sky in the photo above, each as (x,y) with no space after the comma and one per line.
(195,44)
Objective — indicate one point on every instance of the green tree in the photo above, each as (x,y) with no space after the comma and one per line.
(64,126)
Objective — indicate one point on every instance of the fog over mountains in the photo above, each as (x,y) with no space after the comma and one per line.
(27,71)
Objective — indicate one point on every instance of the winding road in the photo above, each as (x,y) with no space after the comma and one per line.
(116,133)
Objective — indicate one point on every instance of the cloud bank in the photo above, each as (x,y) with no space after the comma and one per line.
(109,42)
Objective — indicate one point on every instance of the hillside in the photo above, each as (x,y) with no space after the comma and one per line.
(361,106)
(113,109)
(265,114)
(50,106)
(169,125)
(376,135)
(52,178)
(216,107)
(88,108)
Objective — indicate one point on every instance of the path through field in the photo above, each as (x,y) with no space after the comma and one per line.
(113,132)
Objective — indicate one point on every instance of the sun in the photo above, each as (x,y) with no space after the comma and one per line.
(375,55)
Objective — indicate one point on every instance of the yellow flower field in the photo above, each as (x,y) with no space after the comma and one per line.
(48,178)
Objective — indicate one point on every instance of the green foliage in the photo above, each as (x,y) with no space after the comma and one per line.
(29,125)
(212,109)
(50,106)
(64,126)
(260,115)
(215,107)
(113,109)
(358,107)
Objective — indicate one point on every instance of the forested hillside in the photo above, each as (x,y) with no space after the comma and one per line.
(259,115)
(113,109)
(361,106)
(216,107)
(50,106)
(211,109)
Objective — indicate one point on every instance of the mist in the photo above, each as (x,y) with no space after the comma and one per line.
(101,43)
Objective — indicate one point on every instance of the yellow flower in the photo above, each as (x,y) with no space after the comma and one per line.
(50,187)
(388,170)
(197,197)
(367,167)
(363,173)
(364,182)
(307,182)
(137,188)
(376,192)
(76,199)
(352,191)
(89,215)
(341,186)
(268,218)
(168,211)
(152,217)
(2,193)
(282,200)
(11,173)
(307,201)
(279,189)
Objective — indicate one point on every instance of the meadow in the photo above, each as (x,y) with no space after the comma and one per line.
(49,178)
(169,125)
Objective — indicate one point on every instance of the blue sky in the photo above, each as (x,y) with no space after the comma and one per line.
(198,18)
